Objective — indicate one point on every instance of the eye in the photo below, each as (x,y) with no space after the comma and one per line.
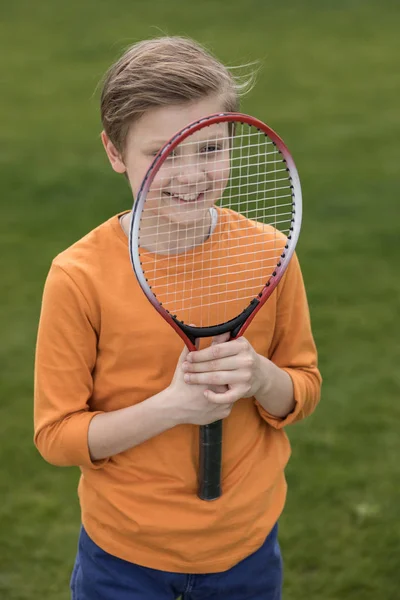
(210,148)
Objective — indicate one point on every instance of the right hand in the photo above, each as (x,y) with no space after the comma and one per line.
(188,402)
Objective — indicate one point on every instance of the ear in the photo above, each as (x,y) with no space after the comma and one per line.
(113,154)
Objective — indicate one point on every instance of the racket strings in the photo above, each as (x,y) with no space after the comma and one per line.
(203,276)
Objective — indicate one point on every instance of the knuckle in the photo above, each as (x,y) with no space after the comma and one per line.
(247,376)
(227,410)
(250,361)
(215,351)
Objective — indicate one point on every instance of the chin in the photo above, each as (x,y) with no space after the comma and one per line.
(187,217)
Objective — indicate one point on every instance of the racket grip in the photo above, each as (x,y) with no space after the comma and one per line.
(210,461)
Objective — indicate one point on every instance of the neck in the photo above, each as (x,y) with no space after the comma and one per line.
(168,237)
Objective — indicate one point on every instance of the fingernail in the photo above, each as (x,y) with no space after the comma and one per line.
(186,378)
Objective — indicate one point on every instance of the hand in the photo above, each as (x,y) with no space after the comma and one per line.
(190,403)
(233,363)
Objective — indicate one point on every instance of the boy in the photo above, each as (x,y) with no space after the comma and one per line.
(116,395)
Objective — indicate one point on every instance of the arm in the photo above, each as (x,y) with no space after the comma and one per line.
(65,358)
(293,352)
(67,432)
(275,393)
(116,431)
(286,385)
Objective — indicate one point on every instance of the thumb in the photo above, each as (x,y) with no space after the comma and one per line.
(183,355)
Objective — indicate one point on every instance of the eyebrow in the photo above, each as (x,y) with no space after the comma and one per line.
(159,143)
(213,137)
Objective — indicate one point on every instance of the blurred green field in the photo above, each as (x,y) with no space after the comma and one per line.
(330,85)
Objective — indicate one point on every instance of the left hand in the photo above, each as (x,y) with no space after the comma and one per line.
(233,363)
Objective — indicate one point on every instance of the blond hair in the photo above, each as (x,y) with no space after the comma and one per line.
(161,72)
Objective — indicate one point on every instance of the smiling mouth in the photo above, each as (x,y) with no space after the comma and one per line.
(185,198)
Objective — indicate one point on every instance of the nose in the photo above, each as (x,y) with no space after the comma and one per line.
(188,172)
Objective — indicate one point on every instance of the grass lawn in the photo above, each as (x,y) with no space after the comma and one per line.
(330,85)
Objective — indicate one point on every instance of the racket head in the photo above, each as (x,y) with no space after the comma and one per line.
(246,181)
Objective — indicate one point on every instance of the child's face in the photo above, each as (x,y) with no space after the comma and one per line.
(194,178)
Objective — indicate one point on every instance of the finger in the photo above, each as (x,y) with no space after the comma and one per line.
(219,389)
(219,377)
(183,356)
(229,397)
(229,363)
(215,351)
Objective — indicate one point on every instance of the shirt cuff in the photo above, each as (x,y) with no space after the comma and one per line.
(71,447)
(281,422)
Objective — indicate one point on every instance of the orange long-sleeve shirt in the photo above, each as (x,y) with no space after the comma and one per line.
(101,347)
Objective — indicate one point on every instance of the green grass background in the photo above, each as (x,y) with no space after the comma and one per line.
(330,85)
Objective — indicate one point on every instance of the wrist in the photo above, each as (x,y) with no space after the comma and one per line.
(169,406)
(264,378)
(276,395)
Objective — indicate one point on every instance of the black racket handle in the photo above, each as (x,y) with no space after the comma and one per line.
(210,461)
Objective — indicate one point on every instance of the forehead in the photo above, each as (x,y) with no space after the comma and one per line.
(161,123)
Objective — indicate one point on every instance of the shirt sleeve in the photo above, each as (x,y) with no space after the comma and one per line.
(293,348)
(65,359)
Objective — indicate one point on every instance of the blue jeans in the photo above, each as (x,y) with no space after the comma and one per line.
(98,575)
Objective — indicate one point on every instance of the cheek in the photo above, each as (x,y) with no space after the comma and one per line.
(220,176)
(161,180)
(136,171)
